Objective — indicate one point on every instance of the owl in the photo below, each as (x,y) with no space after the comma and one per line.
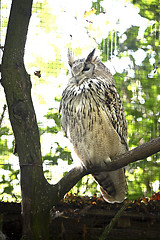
(93,119)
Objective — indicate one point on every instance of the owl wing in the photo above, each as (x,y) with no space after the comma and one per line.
(65,108)
(64,120)
(112,105)
(113,184)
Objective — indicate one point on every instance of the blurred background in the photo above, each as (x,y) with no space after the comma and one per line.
(126,35)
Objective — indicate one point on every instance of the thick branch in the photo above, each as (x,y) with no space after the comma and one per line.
(138,153)
(141,152)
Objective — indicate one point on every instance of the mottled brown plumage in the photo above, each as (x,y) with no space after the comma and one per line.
(94,121)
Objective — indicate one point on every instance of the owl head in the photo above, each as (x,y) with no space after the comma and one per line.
(87,68)
(81,69)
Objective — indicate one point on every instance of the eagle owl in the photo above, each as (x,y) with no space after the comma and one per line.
(93,118)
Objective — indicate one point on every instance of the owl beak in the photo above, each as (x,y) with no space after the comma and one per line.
(77,80)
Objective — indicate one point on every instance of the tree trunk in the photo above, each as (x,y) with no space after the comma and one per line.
(17,87)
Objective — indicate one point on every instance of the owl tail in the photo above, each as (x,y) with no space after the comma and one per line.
(113,185)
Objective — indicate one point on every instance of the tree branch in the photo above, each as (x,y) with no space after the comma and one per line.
(138,153)
(141,152)
(2,115)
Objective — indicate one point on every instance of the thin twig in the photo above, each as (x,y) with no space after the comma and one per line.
(110,226)
(2,115)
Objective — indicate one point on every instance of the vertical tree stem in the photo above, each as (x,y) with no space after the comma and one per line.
(112,223)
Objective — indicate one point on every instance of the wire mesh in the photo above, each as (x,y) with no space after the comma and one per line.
(131,53)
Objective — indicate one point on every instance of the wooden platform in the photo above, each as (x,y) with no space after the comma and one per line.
(85,218)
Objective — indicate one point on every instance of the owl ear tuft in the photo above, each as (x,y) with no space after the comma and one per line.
(90,56)
(70,57)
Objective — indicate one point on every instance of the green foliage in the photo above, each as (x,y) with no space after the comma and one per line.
(141,104)
(97,5)
(60,153)
(4,150)
(86,186)
(148,9)
(104,46)
(53,114)
(4,131)
(8,174)
(131,41)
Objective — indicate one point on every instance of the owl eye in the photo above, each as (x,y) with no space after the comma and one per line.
(85,69)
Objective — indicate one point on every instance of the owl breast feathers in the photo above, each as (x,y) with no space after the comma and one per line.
(92,117)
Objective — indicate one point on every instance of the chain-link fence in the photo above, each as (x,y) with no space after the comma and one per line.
(126,37)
